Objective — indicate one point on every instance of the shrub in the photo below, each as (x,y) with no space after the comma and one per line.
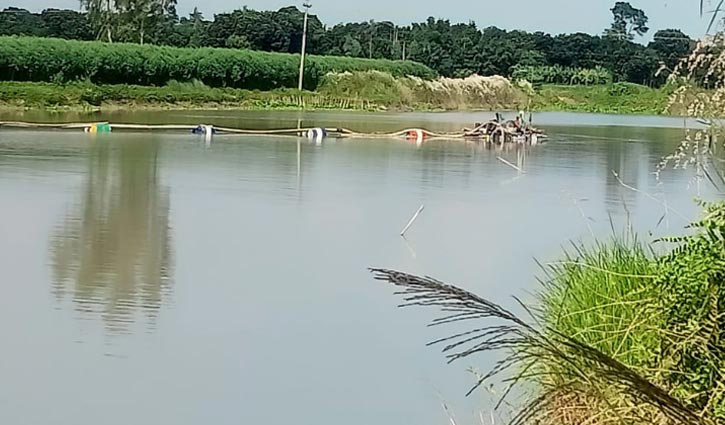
(562,75)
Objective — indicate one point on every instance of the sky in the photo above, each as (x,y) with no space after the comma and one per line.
(552,16)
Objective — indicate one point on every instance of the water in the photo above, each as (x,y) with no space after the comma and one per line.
(148,278)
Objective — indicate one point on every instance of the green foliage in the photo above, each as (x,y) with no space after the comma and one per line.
(34,59)
(556,74)
(451,49)
(85,95)
(359,90)
(662,315)
(599,296)
(617,98)
(576,383)
(373,88)
(16,21)
(692,280)
(138,21)
(274,31)
(671,45)
(376,86)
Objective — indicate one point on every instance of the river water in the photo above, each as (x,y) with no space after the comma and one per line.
(155,279)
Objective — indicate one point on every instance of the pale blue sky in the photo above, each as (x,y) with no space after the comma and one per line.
(553,16)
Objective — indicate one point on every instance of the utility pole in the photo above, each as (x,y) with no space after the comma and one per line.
(307,7)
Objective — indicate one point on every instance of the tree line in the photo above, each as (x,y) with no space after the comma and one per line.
(451,49)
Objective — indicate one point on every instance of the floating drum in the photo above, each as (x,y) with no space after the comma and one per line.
(317,134)
(98,128)
(203,129)
(417,135)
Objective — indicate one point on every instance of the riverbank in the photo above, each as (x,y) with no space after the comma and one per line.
(349,93)
(173,96)
(617,98)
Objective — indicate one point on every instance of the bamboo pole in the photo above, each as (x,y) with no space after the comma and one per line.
(412,220)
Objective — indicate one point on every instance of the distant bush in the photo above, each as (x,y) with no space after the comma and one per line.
(563,75)
(55,60)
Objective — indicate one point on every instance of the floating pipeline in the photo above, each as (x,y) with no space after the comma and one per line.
(498,133)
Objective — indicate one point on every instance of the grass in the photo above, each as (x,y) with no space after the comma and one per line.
(23,95)
(600,295)
(659,314)
(371,90)
(617,98)
(623,334)
(358,91)
(475,92)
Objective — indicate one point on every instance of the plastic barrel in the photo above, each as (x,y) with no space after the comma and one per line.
(317,134)
(98,128)
(418,136)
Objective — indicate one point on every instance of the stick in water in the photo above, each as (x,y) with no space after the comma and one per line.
(510,165)
(412,220)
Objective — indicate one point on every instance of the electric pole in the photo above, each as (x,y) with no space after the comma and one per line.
(307,7)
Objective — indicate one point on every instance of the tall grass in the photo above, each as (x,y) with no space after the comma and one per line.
(601,296)
(623,334)
(624,98)
(474,92)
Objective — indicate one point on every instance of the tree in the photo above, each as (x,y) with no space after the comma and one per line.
(351,47)
(628,21)
(672,46)
(452,49)
(67,24)
(189,32)
(144,16)
(15,21)
(133,19)
(102,15)
(198,28)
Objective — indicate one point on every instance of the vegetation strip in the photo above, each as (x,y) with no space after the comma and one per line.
(62,61)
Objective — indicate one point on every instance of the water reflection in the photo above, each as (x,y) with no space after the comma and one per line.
(111,254)
(274,210)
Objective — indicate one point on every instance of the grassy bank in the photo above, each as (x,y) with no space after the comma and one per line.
(56,73)
(617,98)
(358,91)
(87,96)
(347,91)
(626,333)
(658,310)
